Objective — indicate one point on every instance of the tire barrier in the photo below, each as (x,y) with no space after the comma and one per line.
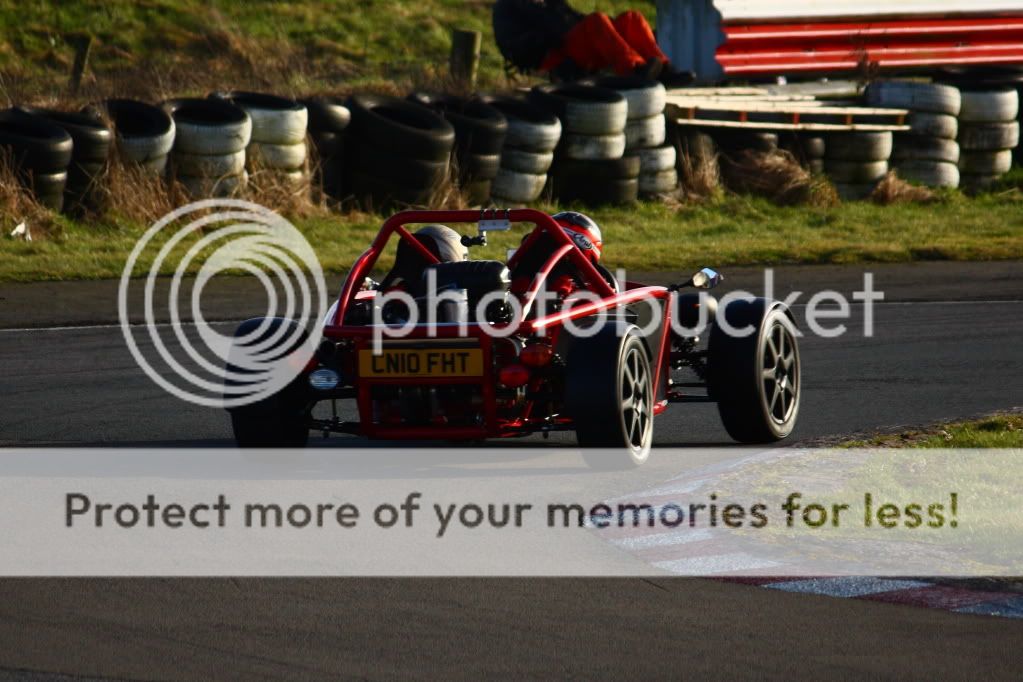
(596,183)
(91,142)
(988,134)
(399,150)
(277,143)
(480,131)
(645,129)
(594,119)
(927,154)
(807,148)
(857,161)
(39,153)
(209,155)
(328,120)
(533,133)
(144,133)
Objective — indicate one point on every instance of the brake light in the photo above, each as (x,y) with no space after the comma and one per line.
(513,376)
(536,355)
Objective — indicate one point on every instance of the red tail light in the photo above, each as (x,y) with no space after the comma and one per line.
(513,376)
(536,355)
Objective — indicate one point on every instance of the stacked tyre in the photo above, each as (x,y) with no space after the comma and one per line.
(589,159)
(856,161)
(39,153)
(480,130)
(928,154)
(278,134)
(808,150)
(328,121)
(144,133)
(645,132)
(91,142)
(209,148)
(532,136)
(398,152)
(988,134)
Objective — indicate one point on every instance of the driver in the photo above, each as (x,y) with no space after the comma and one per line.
(586,235)
(440,240)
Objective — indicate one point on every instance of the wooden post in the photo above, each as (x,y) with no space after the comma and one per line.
(82,47)
(465,56)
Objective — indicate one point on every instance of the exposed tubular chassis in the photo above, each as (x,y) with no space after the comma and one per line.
(494,426)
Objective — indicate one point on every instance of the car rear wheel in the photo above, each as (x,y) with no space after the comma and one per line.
(609,395)
(756,379)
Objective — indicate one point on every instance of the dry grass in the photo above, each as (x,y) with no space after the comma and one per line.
(894,190)
(699,174)
(18,205)
(131,193)
(775,175)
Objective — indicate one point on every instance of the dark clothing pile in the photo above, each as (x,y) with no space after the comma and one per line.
(526,30)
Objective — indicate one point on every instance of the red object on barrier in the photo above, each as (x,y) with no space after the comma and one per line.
(772,49)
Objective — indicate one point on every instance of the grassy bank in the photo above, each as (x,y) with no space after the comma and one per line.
(732,230)
(161,47)
(995,431)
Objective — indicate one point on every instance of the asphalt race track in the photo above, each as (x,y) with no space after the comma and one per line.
(946,345)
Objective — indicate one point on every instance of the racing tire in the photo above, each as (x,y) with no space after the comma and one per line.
(855,171)
(400,171)
(755,379)
(642,133)
(986,163)
(929,173)
(592,147)
(276,156)
(596,191)
(530,127)
(144,132)
(377,193)
(989,136)
(989,106)
(929,97)
(920,148)
(645,98)
(609,397)
(519,188)
(209,165)
(657,159)
(35,145)
(481,166)
(91,139)
(207,187)
(933,125)
(662,182)
(522,161)
(854,146)
(399,126)
(479,127)
(209,127)
(740,140)
(623,168)
(275,120)
(156,165)
(327,115)
(584,110)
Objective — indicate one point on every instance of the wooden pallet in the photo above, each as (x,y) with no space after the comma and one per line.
(784,112)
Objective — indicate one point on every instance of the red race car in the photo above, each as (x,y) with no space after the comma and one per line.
(463,350)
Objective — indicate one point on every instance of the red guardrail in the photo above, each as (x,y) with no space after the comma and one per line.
(772,49)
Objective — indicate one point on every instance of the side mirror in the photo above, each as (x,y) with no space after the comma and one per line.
(706,279)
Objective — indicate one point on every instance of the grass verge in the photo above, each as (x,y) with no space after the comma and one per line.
(728,230)
(1003,430)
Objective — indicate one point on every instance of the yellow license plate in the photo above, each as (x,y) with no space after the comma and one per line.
(422,362)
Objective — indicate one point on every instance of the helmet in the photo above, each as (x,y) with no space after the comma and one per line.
(583,231)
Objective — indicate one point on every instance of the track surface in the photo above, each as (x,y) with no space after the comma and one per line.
(946,346)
